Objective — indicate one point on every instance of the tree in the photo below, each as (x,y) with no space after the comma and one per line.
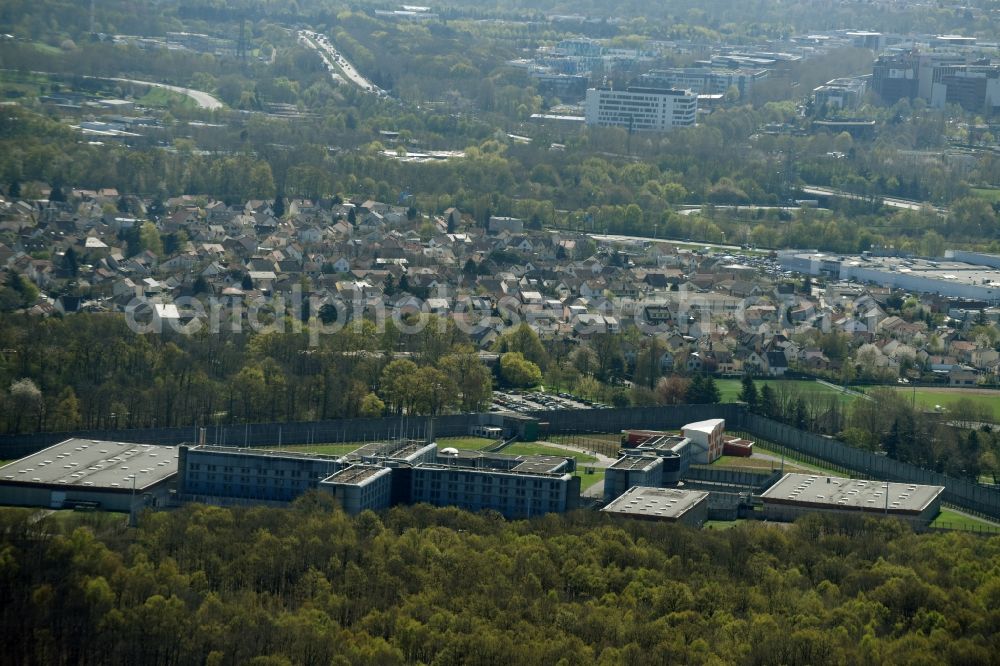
(247,282)
(66,415)
(523,340)
(278,207)
(200,285)
(328,313)
(473,379)
(672,390)
(398,384)
(372,406)
(149,238)
(519,372)
(648,369)
(70,262)
(768,403)
(436,391)
(26,401)
(748,394)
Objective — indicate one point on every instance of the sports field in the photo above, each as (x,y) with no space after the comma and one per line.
(929,398)
(729,389)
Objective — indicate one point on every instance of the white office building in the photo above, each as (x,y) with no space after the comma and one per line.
(655,109)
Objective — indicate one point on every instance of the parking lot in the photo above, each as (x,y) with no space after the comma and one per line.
(523,401)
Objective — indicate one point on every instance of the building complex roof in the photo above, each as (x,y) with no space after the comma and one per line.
(94,463)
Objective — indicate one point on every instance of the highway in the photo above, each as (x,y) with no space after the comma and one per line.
(892,202)
(336,63)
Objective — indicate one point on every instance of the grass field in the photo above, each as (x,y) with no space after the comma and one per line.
(729,389)
(959,521)
(526,449)
(988,193)
(166,98)
(928,398)
(471,443)
(326,449)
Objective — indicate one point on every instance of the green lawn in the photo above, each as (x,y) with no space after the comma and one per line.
(729,389)
(162,97)
(959,521)
(471,443)
(587,480)
(722,524)
(929,397)
(791,460)
(988,193)
(326,449)
(527,449)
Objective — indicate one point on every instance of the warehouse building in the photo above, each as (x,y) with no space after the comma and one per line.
(672,505)
(949,278)
(114,476)
(798,494)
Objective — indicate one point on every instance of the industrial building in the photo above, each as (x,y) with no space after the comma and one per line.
(641,109)
(798,494)
(948,278)
(673,505)
(114,476)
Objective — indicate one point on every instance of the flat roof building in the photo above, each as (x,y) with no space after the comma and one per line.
(798,494)
(514,494)
(673,505)
(104,474)
(945,277)
(632,470)
(636,109)
(360,487)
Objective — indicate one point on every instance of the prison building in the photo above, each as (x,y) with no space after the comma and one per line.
(359,488)
(706,440)
(515,494)
(798,494)
(91,473)
(672,505)
(214,473)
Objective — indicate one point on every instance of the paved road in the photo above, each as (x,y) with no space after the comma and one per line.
(892,202)
(619,238)
(336,61)
(203,99)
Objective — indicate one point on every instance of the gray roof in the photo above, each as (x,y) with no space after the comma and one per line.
(665,503)
(96,463)
(822,491)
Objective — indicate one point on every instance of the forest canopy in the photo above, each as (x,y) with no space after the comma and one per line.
(309,585)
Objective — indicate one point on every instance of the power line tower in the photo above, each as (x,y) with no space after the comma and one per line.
(241,45)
